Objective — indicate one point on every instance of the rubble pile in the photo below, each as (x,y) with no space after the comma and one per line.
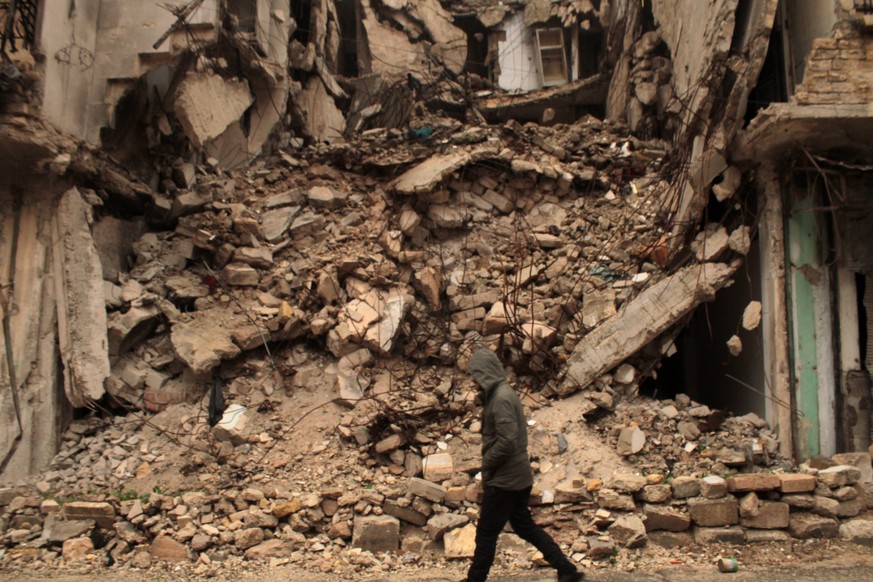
(300,329)
(478,244)
(340,506)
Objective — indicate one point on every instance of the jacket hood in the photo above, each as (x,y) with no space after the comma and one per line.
(486,369)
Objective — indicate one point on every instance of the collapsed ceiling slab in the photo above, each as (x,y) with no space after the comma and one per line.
(782,128)
(652,313)
(427,175)
(591,92)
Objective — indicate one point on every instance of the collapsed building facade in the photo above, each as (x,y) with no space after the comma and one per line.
(252,200)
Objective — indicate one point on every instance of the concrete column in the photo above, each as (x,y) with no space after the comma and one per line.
(779,404)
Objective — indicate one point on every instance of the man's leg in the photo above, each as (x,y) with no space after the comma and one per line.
(493,515)
(523,525)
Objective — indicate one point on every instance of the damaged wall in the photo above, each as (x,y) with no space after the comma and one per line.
(108,45)
(517,56)
(68,41)
(31,315)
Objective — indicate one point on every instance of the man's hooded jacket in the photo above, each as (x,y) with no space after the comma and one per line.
(505,461)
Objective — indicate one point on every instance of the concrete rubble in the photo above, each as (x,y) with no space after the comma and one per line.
(269,328)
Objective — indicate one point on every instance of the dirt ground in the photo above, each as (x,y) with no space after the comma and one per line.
(813,561)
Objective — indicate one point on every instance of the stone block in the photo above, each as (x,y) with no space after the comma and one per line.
(600,548)
(103,514)
(839,476)
(274,548)
(714,512)
(439,524)
(758,536)
(275,223)
(719,535)
(376,533)
(77,549)
(825,506)
(429,490)
(655,493)
(631,441)
(803,526)
(629,530)
(671,539)
(407,514)
(248,537)
(753,482)
(460,542)
(796,483)
(627,482)
(713,487)
(167,549)
(860,461)
(770,515)
(282,508)
(261,257)
(665,518)
(324,197)
(859,531)
(685,487)
(609,499)
(240,275)
(390,443)
(56,531)
(438,467)
(799,500)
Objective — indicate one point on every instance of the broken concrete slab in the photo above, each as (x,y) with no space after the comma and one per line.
(427,175)
(130,328)
(202,343)
(382,49)
(275,223)
(206,104)
(82,321)
(322,119)
(647,316)
(450,41)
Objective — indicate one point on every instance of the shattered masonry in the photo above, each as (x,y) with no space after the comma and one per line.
(249,246)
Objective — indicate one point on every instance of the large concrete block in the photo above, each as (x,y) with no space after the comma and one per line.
(753,482)
(719,535)
(796,483)
(427,489)
(807,525)
(461,542)
(666,518)
(207,104)
(770,515)
(376,533)
(839,476)
(103,514)
(438,467)
(713,487)
(714,512)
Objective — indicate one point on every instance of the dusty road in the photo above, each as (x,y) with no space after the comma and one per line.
(856,567)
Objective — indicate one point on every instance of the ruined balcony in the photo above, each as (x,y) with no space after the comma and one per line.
(17,25)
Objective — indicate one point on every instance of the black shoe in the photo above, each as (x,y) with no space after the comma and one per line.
(574,577)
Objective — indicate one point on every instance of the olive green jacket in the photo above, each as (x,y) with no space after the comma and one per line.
(505,461)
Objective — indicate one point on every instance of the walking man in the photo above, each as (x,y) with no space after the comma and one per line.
(506,474)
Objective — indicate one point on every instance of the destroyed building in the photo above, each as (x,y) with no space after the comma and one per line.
(242,226)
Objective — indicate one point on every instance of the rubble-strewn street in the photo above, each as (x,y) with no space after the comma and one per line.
(239,293)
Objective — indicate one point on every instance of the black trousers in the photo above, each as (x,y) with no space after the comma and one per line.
(498,507)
